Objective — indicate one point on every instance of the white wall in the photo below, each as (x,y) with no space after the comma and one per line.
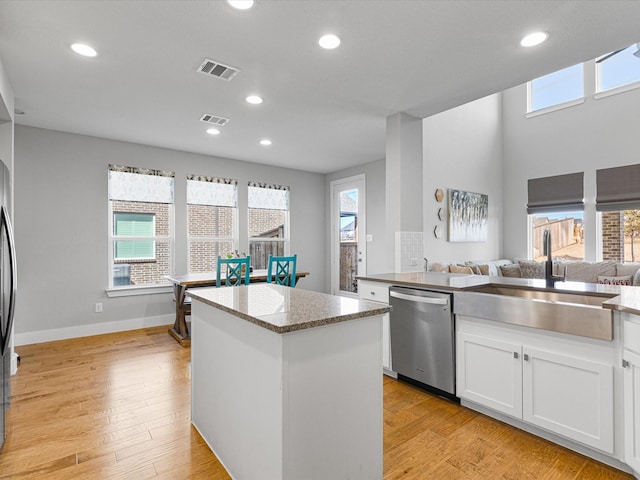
(596,134)
(463,150)
(61,226)
(378,252)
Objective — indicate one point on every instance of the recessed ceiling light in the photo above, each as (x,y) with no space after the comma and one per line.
(534,39)
(84,50)
(213,131)
(254,99)
(329,41)
(241,4)
(265,141)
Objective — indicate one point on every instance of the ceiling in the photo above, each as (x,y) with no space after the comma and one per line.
(324,110)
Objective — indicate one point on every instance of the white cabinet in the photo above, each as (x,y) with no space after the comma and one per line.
(379,292)
(537,383)
(631,363)
(569,396)
(489,373)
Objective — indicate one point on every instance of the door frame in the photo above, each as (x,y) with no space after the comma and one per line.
(360,183)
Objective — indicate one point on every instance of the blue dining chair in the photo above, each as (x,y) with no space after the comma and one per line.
(235,273)
(285,270)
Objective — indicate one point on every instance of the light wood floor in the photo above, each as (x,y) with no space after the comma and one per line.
(117,406)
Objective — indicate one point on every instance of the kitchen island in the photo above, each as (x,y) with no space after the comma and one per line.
(286,383)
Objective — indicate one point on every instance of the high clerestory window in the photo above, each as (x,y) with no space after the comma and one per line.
(558,89)
(268,222)
(140,226)
(212,220)
(618,69)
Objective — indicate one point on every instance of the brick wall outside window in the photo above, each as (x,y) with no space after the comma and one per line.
(612,236)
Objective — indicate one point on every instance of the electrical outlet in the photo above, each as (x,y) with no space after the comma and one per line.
(98,308)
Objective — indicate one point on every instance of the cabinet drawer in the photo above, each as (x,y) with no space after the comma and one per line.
(632,336)
(373,291)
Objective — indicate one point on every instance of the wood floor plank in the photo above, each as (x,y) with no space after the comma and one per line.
(117,406)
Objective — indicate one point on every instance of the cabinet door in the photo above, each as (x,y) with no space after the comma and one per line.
(569,396)
(489,372)
(379,292)
(632,410)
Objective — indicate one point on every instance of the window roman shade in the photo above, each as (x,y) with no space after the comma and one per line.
(134,184)
(268,196)
(219,192)
(560,193)
(618,188)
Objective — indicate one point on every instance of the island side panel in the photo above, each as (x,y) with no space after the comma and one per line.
(333,401)
(236,382)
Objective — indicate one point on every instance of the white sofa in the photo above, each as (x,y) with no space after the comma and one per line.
(606,272)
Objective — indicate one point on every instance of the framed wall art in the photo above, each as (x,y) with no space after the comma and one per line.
(468,216)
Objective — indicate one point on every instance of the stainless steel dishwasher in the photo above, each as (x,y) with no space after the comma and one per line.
(422,338)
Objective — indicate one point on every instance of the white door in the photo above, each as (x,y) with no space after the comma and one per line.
(489,372)
(570,396)
(632,409)
(348,235)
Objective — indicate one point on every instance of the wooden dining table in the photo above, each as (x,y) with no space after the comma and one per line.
(182,282)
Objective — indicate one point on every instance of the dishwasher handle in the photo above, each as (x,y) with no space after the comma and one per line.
(413,298)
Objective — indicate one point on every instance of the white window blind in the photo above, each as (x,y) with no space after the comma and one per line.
(140,184)
(220,192)
(268,197)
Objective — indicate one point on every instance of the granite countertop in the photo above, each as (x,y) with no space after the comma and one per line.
(622,298)
(284,309)
(627,301)
(460,282)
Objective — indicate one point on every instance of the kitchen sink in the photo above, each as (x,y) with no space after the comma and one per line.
(545,295)
(572,313)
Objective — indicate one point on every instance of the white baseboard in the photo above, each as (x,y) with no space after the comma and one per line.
(92,329)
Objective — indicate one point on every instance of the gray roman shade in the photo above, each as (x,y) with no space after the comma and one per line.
(560,193)
(618,188)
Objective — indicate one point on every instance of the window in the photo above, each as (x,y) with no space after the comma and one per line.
(212,206)
(556,204)
(558,88)
(567,235)
(618,69)
(268,222)
(134,225)
(141,226)
(618,200)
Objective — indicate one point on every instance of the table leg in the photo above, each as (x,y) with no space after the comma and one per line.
(180,330)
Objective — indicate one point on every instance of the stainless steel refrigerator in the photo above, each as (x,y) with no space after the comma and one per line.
(8,286)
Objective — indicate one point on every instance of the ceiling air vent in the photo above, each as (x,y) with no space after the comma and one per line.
(216,69)
(214,119)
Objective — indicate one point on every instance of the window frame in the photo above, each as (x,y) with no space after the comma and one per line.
(235,228)
(147,288)
(625,87)
(558,106)
(285,239)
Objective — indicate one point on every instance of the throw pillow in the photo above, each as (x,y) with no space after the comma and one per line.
(511,271)
(636,279)
(623,280)
(458,269)
(589,272)
(484,269)
(531,269)
(438,267)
